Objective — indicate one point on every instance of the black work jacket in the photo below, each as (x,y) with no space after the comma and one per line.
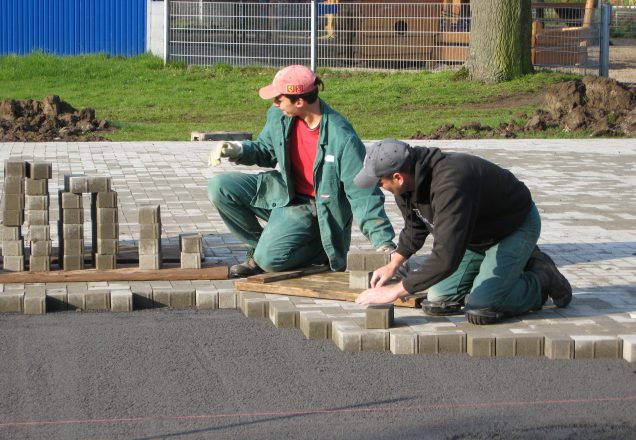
(464,202)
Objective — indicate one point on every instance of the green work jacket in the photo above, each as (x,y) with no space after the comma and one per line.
(339,157)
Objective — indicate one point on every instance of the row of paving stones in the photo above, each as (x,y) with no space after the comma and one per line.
(347,324)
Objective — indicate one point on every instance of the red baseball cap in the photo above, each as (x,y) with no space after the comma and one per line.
(292,80)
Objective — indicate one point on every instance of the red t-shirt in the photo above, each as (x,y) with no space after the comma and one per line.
(303,143)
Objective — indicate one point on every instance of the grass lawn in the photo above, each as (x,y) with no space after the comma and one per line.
(146,100)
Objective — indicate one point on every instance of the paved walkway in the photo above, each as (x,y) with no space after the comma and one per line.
(585,191)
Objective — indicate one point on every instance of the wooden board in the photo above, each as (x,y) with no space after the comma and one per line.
(270,277)
(125,273)
(326,285)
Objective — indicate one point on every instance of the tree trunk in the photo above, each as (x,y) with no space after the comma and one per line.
(500,34)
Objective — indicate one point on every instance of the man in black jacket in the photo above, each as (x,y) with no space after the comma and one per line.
(485,228)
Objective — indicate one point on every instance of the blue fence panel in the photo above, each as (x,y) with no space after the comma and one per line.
(73,27)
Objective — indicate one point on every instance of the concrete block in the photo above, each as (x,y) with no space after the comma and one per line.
(379,316)
(73,262)
(220,136)
(150,262)
(108,246)
(481,344)
(315,325)
(629,347)
(190,243)
(559,346)
(360,279)
(34,303)
(182,298)
(367,260)
(39,169)
(15,167)
(77,300)
(142,295)
(38,233)
(255,307)
(74,247)
(98,299)
(107,215)
(12,248)
(72,216)
(14,202)
(106,199)
(40,263)
(519,345)
(13,263)
(347,336)
(98,184)
(403,341)
(107,231)
(11,233)
(149,215)
(12,218)
(36,187)
(72,232)
(70,200)
(594,347)
(376,340)
(13,185)
(105,261)
(284,314)
(37,203)
(56,300)
(228,299)
(12,301)
(149,246)
(190,261)
(77,184)
(207,298)
(41,248)
(121,301)
(149,231)
(442,342)
(40,218)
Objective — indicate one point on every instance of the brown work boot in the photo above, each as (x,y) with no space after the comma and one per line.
(553,283)
(246,269)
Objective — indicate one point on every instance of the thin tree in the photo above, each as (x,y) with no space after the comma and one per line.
(500,36)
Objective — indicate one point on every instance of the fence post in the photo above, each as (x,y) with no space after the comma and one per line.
(606,13)
(313,40)
(166,30)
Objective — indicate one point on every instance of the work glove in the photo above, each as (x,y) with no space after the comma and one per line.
(231,149)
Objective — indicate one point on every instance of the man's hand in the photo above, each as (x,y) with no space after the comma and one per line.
(381,295)
(382,275)
(231,149)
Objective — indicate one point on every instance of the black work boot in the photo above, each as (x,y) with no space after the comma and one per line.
(484,316)
(553,283)
(441,308)
(246,269)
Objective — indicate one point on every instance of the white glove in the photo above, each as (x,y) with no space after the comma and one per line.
(233,150)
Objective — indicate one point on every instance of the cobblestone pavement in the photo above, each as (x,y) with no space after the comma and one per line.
(584,189)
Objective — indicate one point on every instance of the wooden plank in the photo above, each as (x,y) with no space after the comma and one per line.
(330,285)
(270,277)
(133,273)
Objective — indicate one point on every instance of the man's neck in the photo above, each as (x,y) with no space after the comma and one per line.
(312,115)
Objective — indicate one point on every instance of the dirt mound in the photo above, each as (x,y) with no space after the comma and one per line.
(48,120)
(601,105)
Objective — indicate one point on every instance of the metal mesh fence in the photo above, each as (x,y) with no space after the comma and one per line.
(623,24)
(374,35)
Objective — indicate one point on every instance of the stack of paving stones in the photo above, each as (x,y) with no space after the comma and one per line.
(105,222)
(70,226)
(361,264)
(13,215)
(150,256)
(191,249)
(37,203)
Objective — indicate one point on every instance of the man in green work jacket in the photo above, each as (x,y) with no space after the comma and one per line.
(309,201)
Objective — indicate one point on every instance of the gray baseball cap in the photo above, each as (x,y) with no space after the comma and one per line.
(382,159)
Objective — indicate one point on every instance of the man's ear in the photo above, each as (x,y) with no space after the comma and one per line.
(399,177)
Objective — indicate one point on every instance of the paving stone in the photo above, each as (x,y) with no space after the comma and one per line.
(73,247)
(376,340)
(108,246)
(38,233)
(629,347)
(41,248)
(13,263)
(34,217)
(442,342)
(207,298)
(105,199)
(98,184)
(228,299)
(98,299)
(39,169)
(519,345)
(12,301)
(190,261)
(12,248)
(107,231)
(75,183)
(73,262)
(150,262)
(34,303)
(14,202)
(107,215)
(11,233)
(347,336)
(56,300)
(594,347)
(105,261)
(142,295)
(174,298)
(360,279)
(12,217)
(36,187)
(76,287)
(190,243)
(15,167)
(72,232)
(13,185)
(149,231)
(149,215)
(149,246)
(284,314)
(121,301)
(379,316)
(72,216)
(367,260)
(220,136)
(40,263)
(255,307)
(480,344)
(403,340)
(314,325)
(37,202)
(69,200)
(76,300)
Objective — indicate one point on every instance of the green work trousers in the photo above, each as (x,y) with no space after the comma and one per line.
(495,277)
(290,237)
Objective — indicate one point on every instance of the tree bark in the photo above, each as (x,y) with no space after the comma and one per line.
(500,36)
